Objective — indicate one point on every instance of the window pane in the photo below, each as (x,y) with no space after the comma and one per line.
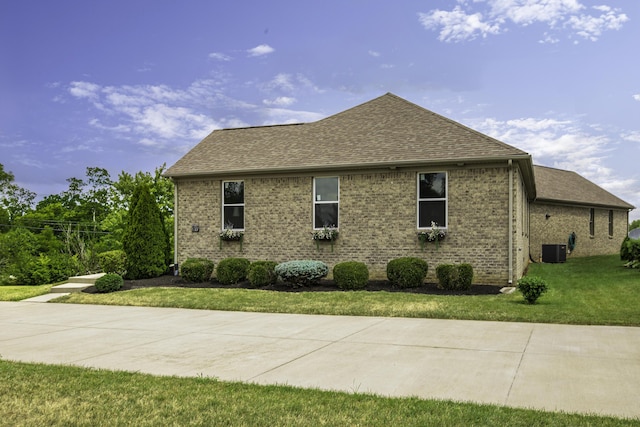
(610,223)
(432,211)
(234,215)
(326,215)
(433,185)
(326,189)
(233,192)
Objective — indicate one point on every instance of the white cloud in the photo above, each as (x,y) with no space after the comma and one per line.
(161,117)
(276,116)
(636,97)
(469,20)
(526,12)
(220,56)
(457,25)
(631,136)
(591,27)
(290,83)
(282,81)
(547,38)
(281,101)
(84,90)
(569,145)
(263,49)
(374,53)
(155,115)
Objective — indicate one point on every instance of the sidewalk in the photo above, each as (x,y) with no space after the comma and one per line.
(586,369)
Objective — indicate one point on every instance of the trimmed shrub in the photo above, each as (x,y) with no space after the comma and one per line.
(532,287)
(144,239)
(465,276)
(455,277)
(110,282)
(445,274)
(630,252)
(351,275)
(196,270)
(113,261)
(407,272)
(262,273)
(232,270)
(301,272)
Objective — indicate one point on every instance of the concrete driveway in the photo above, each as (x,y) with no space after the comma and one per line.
(586,369)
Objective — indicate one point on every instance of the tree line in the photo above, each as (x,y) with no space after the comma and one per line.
(64,234)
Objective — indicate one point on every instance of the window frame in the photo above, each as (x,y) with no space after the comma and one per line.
(325,202)
(610,222)
(223,205)
(592,222)
(434,199)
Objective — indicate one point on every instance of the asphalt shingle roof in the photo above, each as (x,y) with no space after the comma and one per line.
(386,131)
(557,185)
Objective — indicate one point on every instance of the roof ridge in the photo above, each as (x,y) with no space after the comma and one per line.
(262,126)
(428,111)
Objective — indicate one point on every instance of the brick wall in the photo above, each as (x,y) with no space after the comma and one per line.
(566,219)
(377,221)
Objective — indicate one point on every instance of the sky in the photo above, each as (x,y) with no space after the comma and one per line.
(128,85)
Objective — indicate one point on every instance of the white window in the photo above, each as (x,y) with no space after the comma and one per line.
(325,202)
(432,199)
(233,205)
(610,223)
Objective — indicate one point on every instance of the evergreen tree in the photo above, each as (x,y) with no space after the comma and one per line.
(144,239)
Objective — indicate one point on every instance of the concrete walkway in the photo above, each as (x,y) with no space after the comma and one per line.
(587,369)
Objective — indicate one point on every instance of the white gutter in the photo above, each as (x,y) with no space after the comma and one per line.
(510,222)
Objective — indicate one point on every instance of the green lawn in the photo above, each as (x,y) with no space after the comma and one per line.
(41,395)
(17,293)
(593,290)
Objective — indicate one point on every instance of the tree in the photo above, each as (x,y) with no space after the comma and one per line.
(15,200)
(161,189)
(634,224)
(144,239)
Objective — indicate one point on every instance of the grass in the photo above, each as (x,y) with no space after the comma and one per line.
(591,291)
(18,293)
(37,395)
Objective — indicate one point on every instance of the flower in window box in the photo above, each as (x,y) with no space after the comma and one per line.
(436,235)
(326,234)
(231,235)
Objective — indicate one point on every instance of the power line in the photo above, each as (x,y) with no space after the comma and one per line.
(62,230)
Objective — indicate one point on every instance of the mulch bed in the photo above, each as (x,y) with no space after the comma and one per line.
(171,281)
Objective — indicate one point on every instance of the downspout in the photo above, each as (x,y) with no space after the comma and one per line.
(175,223)
(510,221)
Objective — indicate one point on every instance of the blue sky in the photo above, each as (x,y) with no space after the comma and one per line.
(130,85)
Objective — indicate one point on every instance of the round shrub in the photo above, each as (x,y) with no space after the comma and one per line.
(465,276)
(113,261)
(407,272)
(262,273)
(197,270)
(110,282)
(351,275)
(532,287)
(455,277)
(301,272)
(232,270)
(444,273)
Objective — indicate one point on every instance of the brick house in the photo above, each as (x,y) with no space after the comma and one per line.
(381,173)
(567,203)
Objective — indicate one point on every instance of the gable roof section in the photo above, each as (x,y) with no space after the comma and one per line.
(567,187)
(387,131)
